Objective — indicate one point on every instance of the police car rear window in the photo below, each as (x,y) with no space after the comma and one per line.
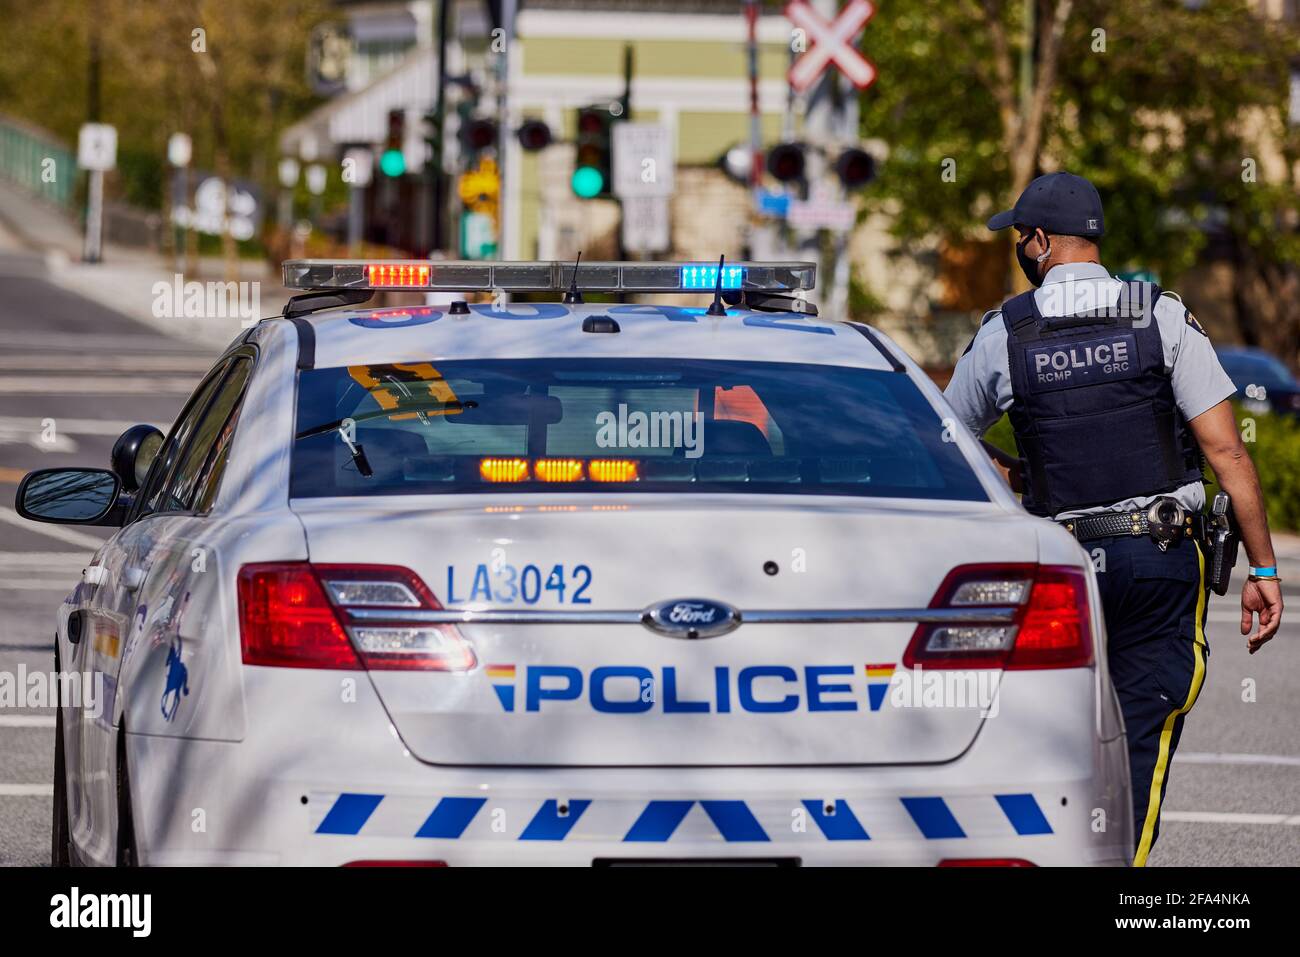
(620,425)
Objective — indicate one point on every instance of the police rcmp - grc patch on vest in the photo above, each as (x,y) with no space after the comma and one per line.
(1194,323)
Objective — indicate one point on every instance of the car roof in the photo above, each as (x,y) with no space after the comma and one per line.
(544,330)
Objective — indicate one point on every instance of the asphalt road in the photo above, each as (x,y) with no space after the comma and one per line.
(1234,793)
(67,390)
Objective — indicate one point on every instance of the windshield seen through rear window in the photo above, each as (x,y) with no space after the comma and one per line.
(620,425)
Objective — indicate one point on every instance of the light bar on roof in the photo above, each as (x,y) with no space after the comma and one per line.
(555,276)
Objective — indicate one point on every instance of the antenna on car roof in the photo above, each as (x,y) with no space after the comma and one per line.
(574,296)
(716,308)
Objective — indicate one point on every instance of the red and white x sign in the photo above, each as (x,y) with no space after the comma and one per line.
(831,41)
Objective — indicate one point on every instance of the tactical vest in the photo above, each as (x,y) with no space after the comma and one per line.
(1093,407)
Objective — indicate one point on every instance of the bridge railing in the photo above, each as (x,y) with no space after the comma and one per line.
(38,163)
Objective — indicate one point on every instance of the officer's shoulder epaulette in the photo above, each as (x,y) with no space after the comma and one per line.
(990,314)
(1176,303)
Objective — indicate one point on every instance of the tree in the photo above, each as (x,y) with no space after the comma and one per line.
(1157,102)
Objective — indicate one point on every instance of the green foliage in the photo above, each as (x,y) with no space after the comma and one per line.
(1276,454)
(1161,121)
(233,89)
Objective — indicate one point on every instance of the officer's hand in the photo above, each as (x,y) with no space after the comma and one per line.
(1264,599)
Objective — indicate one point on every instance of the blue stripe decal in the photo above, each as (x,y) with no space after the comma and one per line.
(547,825)
(840,826)
(1024,814)
(932,816)
(658,821)
(734,821)
(450,818)
(349,813)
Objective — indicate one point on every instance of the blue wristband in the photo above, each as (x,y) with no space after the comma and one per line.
(1268,572)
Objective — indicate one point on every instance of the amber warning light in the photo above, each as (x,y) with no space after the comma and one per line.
(499,470)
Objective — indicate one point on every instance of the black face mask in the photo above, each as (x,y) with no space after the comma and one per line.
(1029,264)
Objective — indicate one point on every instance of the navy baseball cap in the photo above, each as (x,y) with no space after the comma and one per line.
(1058,203)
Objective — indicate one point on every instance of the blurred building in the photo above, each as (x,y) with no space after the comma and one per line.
(689,74)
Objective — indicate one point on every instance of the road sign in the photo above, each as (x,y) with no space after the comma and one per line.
(643,160)
(179,149)
(478,236)
(831,42)
(646,227)
(288,169)
(316,177)
(773,204)
(822,211)
(97,146)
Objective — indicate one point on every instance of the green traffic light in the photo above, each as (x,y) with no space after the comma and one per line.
(392,163)
(587,182)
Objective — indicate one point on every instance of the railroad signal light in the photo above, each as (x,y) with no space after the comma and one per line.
(786,161)
(534,135)
(855,168)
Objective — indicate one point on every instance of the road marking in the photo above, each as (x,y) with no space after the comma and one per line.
(84,343)
(45,561)
(66,384)
(27,721)
(51,531)
(160,362)
(26,790)
(1228,817)
(1211,757)
(11,475)
(113,427)
(63,586)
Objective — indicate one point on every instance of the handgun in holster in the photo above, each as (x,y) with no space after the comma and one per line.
(1221,540)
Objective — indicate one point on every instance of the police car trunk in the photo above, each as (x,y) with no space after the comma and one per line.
(604,559)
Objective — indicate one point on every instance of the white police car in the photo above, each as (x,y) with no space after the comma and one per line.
(571,584)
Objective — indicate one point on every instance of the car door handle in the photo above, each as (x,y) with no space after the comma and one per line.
(132,577)
(94,574)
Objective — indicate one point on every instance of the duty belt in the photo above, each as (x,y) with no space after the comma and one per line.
(1135,523)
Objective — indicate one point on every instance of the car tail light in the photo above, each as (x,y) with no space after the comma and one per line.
(299,615)
(986,862)
(1051,626)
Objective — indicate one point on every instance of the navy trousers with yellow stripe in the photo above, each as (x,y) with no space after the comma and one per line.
(1154,603)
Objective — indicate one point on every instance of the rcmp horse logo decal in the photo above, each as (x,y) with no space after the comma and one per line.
(178,681)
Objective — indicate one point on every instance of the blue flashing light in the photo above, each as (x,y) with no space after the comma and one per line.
(705,278)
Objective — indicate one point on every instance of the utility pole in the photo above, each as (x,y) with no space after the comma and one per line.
(438,182)
(91,249)
(504,146)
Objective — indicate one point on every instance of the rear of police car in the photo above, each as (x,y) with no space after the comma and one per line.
(612,584)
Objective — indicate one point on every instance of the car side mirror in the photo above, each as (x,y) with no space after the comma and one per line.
(133,454)
(71,497)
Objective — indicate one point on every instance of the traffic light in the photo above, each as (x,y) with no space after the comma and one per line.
(392,162)
(534,135)
(476,135)
(855,168)
(785,162)
(593,164)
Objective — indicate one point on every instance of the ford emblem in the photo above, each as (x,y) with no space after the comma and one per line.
(691,618)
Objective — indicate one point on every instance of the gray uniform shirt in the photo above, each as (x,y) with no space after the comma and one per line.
(980,390)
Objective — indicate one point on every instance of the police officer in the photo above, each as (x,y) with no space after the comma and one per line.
(1114,393)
